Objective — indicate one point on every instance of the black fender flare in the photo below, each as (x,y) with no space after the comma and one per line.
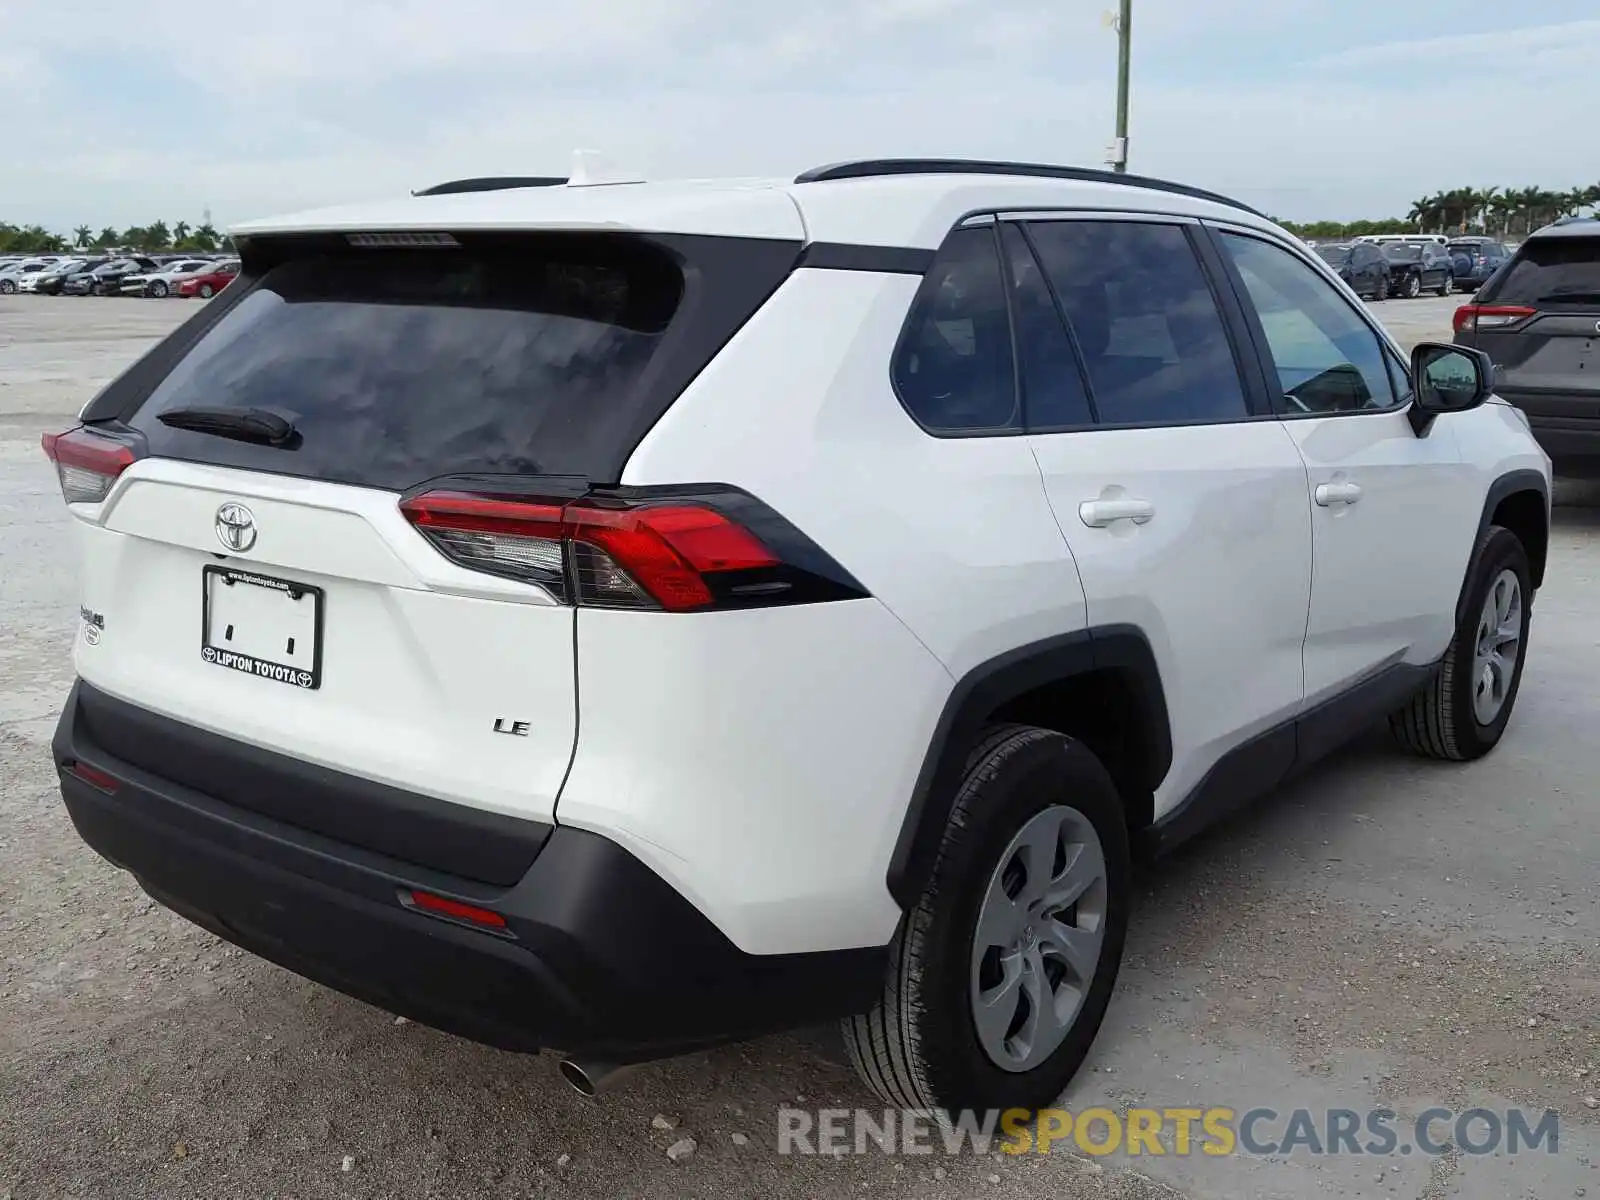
(984,689)
(1512,482)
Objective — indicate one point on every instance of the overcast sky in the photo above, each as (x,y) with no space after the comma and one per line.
(122,111)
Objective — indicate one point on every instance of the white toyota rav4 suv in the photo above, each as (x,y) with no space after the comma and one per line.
(622,619)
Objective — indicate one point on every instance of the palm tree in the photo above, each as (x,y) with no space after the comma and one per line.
(108,237)
(180,231)
(1423,213)
(81,236)
(1488,200)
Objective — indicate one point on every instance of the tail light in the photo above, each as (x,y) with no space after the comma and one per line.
(87,464)
(1476,317)
(454,910)
(678,554)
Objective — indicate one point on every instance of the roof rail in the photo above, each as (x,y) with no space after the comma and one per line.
(873,167)
(491,183)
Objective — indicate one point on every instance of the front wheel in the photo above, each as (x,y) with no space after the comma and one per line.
(999,978)
(8,287)
(1462,712)
(158,289)
(1413,286)
(206,291)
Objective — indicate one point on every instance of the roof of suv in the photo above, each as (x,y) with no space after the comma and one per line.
(1573,227)
(894,203)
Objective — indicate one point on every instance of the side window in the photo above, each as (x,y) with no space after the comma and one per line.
(1053,395)
(1153,340)
(1328,359)
(953,368)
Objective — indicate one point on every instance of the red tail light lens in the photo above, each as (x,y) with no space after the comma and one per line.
(1474,317)
(87,464)
(612,554)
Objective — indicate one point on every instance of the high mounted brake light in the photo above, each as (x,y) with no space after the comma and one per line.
(87,464)
(614,554)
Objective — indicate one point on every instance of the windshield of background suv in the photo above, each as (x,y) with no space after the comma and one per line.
(399,366)
(1553,271)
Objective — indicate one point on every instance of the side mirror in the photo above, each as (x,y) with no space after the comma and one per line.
(1447,379)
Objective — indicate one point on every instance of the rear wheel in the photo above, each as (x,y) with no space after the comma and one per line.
(8,287)
(1381,292)
(999,978)
(1462,712)
(158,289)
(1449,284)
(1413,286)
(206,291)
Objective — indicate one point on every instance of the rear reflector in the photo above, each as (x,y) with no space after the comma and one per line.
(444,907)
(86,463)
(611,554)
(1474,317)
(94,777)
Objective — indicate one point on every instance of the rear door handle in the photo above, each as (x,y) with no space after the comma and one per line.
(1330,494)
(1099,513)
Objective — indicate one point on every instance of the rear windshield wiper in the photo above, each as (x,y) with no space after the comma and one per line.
(259,425)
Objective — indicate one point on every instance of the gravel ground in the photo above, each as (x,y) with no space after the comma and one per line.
(1384,933)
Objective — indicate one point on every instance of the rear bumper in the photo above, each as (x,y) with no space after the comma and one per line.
(1572,442)
(599,956)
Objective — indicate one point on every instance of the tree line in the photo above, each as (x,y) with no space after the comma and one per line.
(1494,212)
(157,236)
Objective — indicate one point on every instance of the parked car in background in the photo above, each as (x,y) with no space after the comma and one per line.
(11,277)
(1416,267)
(1475,259)
(1361,265)
(1539,319)
(163,281)
(30,283)
(51,281)
(1384,239)
(207,284)
(107,280)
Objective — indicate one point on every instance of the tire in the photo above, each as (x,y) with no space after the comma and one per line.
(8,287)
(206,291)
(1413,287)
(1449,284)
(158,289)
(1382,290)
(920,1046)
(1444,719)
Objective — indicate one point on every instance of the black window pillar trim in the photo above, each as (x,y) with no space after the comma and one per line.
(979,694)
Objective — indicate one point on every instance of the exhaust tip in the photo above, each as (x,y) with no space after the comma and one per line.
(579,1079)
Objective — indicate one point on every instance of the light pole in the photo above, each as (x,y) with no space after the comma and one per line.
(1117,153)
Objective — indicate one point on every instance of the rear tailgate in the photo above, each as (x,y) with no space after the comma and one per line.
(267,588)
(1540,322)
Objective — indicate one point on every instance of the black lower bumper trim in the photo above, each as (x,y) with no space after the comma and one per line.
(433,833)
(604,958)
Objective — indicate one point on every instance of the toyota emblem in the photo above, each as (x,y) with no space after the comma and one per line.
(236,526)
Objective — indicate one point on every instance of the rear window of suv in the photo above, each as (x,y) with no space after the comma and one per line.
(397,366)
(1550,272)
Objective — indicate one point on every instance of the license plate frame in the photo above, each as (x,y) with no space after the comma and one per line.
(256,665)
